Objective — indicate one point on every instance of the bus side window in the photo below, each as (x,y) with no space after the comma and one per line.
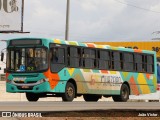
(60,55)
(112,60)
(89,58)
(73,57)
(128,62)
(150,64)
(103,60)
(138,62)
(57,56)
(54,58)
(117,63)
(144,63)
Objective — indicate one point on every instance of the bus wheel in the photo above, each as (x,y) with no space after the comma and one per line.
(124,94)
(69,94)
(32,97)
(91,98)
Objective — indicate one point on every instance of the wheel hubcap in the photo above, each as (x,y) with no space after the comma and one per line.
(70,91)
(124,93)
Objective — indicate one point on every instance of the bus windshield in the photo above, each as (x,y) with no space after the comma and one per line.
(27,59)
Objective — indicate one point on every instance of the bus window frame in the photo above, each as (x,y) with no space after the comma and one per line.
(107,60)
(90,58)
(61,46)
(80,56)
(121,54)
(129,62)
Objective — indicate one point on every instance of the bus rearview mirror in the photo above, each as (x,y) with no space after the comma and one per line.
(2,56)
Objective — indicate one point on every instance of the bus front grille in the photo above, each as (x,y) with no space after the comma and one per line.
(22,82)
(23,88)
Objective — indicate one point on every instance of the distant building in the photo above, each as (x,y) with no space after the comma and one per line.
(144,45)
(3,65)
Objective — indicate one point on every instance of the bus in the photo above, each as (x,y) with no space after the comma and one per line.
(42,67)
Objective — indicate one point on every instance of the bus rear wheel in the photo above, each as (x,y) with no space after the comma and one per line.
(124,94)
(32,97)
(91,98)
(69,94)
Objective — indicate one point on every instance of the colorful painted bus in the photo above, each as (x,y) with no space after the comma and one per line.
(43,67)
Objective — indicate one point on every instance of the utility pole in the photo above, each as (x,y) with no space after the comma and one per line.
(67,20)
(22,16)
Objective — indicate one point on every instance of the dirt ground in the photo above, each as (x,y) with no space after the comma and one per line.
(95,115)
(108,113)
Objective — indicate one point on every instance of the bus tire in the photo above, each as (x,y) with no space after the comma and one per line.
(91,98)
(124,94)
(32,97)
(69,94)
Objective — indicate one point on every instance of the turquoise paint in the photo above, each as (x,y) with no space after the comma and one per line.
(82,44)
(63,42)
(28,76)
(105,92)
(60,87)
(46,42)
(10,77)
(95,71)
(43,87)
(64,74)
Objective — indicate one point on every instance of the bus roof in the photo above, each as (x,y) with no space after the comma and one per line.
(91,45)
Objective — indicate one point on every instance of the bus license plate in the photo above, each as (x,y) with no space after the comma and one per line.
(25,87)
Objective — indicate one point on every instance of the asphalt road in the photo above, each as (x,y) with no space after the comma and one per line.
(77,106)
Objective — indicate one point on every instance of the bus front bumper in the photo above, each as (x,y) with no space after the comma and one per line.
(39,88)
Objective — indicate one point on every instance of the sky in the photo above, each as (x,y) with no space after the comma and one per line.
(91,20)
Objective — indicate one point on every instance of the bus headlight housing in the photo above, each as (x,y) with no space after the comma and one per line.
(42,80)
(8,81)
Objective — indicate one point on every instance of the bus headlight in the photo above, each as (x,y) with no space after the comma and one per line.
(8,81)
(42,80)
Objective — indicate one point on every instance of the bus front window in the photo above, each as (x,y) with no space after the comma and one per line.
(27,59)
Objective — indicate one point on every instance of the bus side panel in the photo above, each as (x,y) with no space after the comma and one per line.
(109,82)
(96,81)
(88,81)
(140,83)
(91,81)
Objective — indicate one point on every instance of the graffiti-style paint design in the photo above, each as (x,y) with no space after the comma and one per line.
(87,80)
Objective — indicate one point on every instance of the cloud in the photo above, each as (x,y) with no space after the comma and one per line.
(47,17)
(156,7)
(112,21)
(92,20)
